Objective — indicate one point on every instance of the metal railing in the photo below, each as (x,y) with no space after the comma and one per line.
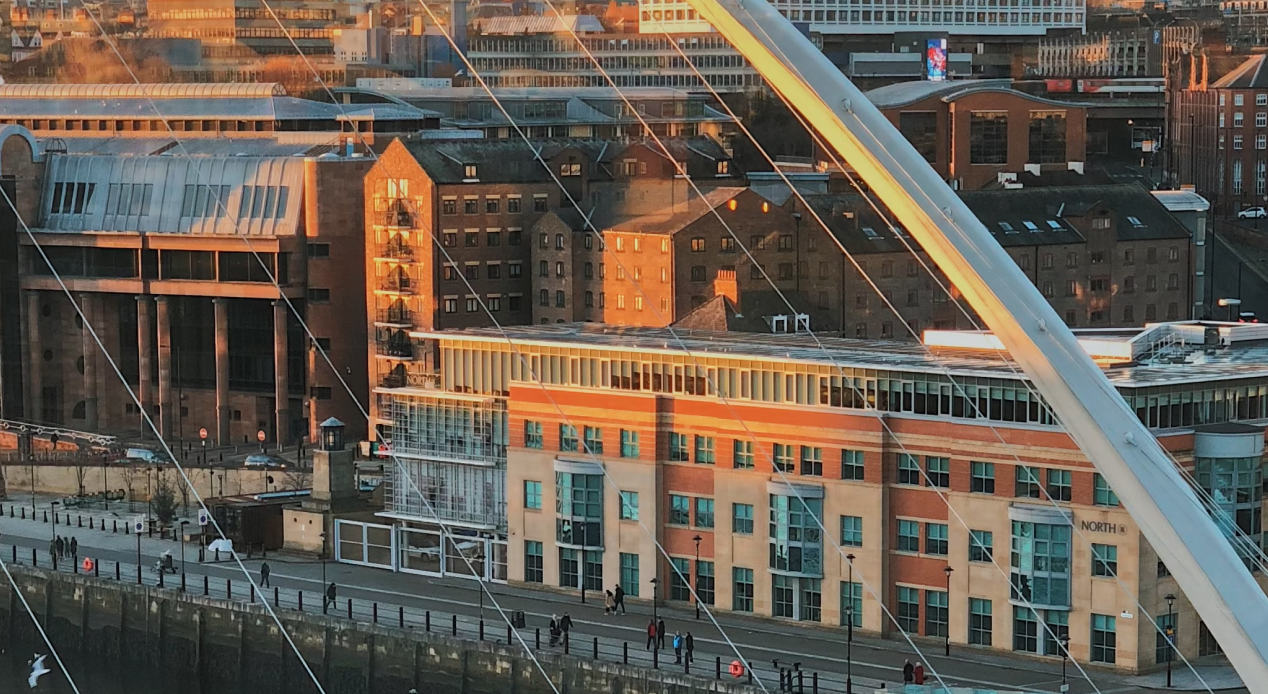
(395,249)
(394,349)
(395,316)
(399,218)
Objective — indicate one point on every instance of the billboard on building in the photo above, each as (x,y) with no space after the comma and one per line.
(936,60)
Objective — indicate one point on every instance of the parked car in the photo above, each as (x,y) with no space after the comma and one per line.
(1252,213)
(144,456)
(262,460)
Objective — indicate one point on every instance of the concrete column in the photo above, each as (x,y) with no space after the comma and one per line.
(145,357)
(167,411)
(281,372)
(88,304)
(222,370)
(35,359)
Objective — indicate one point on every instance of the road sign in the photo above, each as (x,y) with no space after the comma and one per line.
(259,436)
(202,433)
(138,525)
(202,517)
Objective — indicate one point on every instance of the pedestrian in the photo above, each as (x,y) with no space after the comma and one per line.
(264,574)
(919,673)
(554,630)
(74,549)
(677,648)
(609,602)
(660,634)
(565,623)
(61,547)
(52,551)
(908,672)
(691,648)
(651,634)
(330,594)
(620,599)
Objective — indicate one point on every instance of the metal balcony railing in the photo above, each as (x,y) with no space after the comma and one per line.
(403,284)
(397,349)
(397,250)
(395,316)
(409,380)
(399,218)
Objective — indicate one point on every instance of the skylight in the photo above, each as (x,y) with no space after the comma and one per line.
(1030,226)
(1135,221)
(1054,224)
(870,233)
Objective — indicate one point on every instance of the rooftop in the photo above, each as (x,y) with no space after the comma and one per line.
(697,208)
(1249,75)
(539,24)
(904,93)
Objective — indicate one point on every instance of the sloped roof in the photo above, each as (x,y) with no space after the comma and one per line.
(904,93)
(539,24)
(696,208)
(720,314)
(502,160)
(1249,75)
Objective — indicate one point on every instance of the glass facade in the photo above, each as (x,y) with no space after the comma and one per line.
(796,544)
(1040,561)
(579,509)
(1236,489)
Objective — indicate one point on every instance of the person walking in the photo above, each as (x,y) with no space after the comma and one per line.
(660,634)
(264,574)
(609,602)
(330,595)
(554,631)
(918,673)
(52,551)
(74,549)
(61,547)
(691,648)
(908,672)
(565,623)
(620,599)
(677,648)
(651,634)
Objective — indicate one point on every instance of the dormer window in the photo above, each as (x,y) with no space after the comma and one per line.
(469,172)
(570,169)
(724,167)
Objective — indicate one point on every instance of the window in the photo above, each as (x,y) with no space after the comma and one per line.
(908,536)
(470,206)
(1238,119)
(679,571)
(908,614)
(532,495)
(785,242)
(783,458)
(570,169)
(629,506)
(1105,560)
(1102,495)
(1047,137)
(704,513)
(513,205)
(1025,630)
(982,478)
(979,622)
(936,604)
(629,574)
(515,270)
(539,203)
(851,465)
(451,304)
(316,295)
(449,206)
(491,205)
(629,443)
(318,250)
(851,603)
(851,531)
(742,519)
(726,245)
(1027,484)
(981,545)
(704,450)
(532,434)
(908,469)
(939,471)
(533,562)
(743,455)
(921,130)
(1059,484)
(936,538)
(812,461)
(704,582)
(679,510)
(594,440)
(697,245)
(1165,634)
(567,437)
(1103,639)
(678,451)
(741,589)
(988,138)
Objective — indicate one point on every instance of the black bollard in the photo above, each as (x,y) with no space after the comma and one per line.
(114,526)
(15,554)
(182,580)
(655,658)
(80,520)
(206,587)
(228,588)
(596,648)
(814,682)
(482,629)
(402,616)
(96,569)
(46,516)
(717,667)
(300,600)
(349,608)
(455,625)
(537,638)
(509,635)
(374,613)
(34,557)
(161,574)
(252,593)
(116,571)
(567,643)
(427,616)
(625,652)
(276,601)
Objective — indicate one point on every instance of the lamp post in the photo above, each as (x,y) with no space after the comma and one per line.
(696,583)
(1170,633)
(1065,656)
(149,496)
(849,630)
(181,530)
(53,505)
(479,560)
(322,556)
(946,644)
(655,614)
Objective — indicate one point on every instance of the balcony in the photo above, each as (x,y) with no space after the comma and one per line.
(401,350)
(398,218)
(394,317)
(407,379)
(398,283)
(396,250)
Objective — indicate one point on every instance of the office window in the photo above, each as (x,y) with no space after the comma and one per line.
(812,461)
(851,465)
(981,545)
(1027,483)
(533,572)
(742,519)
(982,477)
(936,538)
(979,622)
(936,613)
(784,458)
(704,450)
(908,469)
(741,589)
(921,130)
(629,443)
(567,437)
(743,455)
(1104,560)
(704,512)
(1025,630)
(988,138)
(532,434)
(851,531)
(629,506)
(532,495)
(1047,137)
(908,536)
(939,471)
(1104,639)
(1059,484)
(679,573)
(678,451)
(851,603)
(1102,495)
(1163,637)
(629,574)
(679,510)
(908,613)
(704,582)
(594,440)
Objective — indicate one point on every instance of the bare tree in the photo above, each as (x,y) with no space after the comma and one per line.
(81,472)
(293,479)
(163,503)
(129,474)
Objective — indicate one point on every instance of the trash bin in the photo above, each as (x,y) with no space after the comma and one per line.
(517,619)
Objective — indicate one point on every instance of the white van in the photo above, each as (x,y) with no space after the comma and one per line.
(143,455)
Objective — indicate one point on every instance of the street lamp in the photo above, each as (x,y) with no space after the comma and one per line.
(696,587)
(479,560)
(1065,655)
(1170,633)
(322,555)
(946,644)
(181,529)
(654,582)
(849,630)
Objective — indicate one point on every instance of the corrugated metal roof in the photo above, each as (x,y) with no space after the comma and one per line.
(193,146)
(165,91)
(540,24)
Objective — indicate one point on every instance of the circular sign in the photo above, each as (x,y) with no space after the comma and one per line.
(737,668)
(202,433)
(259,436)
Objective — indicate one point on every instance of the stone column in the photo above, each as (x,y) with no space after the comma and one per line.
(281,372)
(145,357)
(88,305)
(35,359)
(167,411)
(222,370)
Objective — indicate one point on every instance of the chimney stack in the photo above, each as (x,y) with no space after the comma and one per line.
(725,285)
